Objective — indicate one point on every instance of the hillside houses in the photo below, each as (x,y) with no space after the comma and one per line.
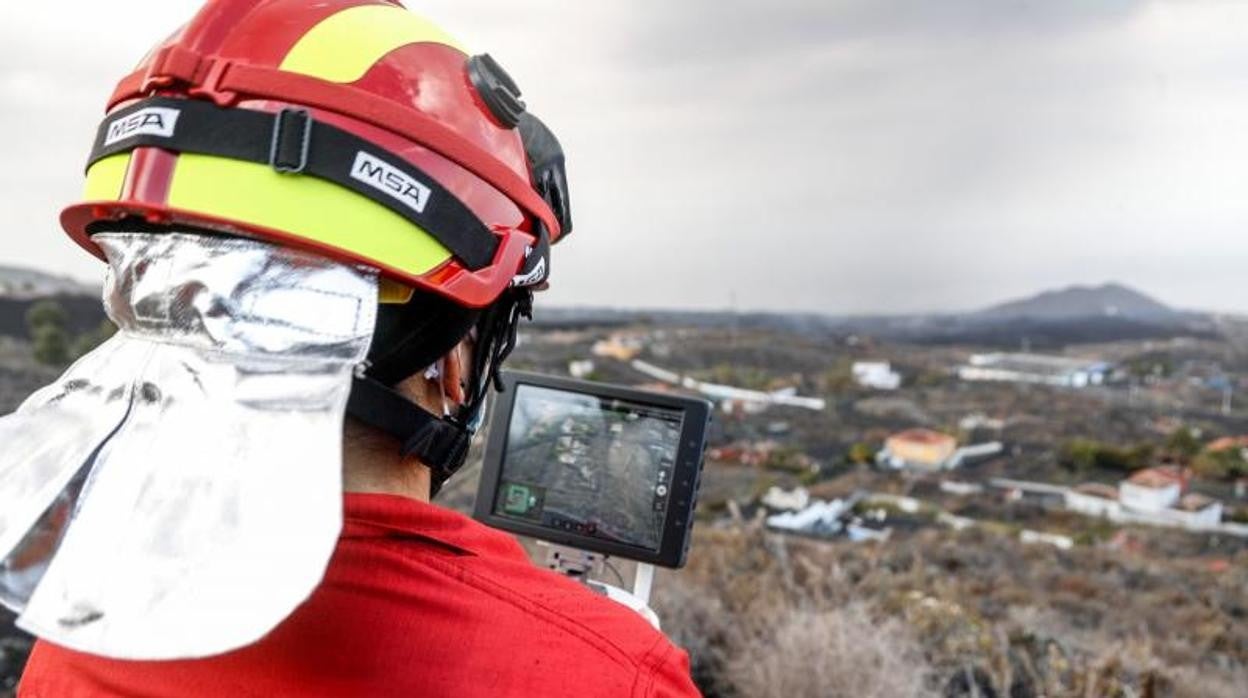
(1040,369)
(1153,495)
(876,375)
(924,449)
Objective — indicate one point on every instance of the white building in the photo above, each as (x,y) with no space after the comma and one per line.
(819,517)
(877,375)
(1054,539)
(1093,499)
(1198,511)
(1034,368)
(1151,490)
(580,369)
(1151,496)
(786,500)
(731,396)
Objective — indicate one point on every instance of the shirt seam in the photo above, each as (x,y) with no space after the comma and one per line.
(650,667)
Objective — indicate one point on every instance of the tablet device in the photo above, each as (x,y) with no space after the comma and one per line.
(597,467)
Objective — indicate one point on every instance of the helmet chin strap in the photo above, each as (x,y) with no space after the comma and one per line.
(441,441)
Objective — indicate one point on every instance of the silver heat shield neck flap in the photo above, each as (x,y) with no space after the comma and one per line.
(178,491)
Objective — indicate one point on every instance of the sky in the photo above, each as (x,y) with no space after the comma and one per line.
(835,156)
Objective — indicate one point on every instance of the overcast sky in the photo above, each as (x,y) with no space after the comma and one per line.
(825,155)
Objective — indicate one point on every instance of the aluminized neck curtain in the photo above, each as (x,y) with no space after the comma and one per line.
(178,491)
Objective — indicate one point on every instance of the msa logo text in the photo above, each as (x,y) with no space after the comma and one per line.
(388,179)
(152,121)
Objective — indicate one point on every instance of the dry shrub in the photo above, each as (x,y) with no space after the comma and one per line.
(992,617)
(699,623)
(841,652)
(1193,683)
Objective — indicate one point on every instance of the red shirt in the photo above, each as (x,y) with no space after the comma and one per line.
(417,601)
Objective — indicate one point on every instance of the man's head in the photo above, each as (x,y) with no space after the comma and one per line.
(306,207)
(362,132)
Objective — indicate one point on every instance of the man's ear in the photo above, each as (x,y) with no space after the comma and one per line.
(452,374)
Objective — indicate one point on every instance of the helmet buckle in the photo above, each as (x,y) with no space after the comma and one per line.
(210,84)
(292,138)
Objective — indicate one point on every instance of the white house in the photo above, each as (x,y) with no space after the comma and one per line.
(878,375)
(1034,368)
(787,500)
(1150,496)
(1151,490)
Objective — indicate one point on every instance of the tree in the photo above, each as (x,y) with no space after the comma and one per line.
(861,452)
(46,313)
(1183,442)
(1221,465)
(1081,454)
(46,322)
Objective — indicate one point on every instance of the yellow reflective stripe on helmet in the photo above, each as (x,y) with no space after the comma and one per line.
(343,46)
(306,207)
(106,177)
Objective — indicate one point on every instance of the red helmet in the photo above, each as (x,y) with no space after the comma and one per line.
(363,132)
(351,127)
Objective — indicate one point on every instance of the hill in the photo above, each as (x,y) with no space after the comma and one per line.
(21,283)
(1107,300)
(21,288)
(1050,319)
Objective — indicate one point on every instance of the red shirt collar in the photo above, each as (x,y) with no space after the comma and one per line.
(395,516)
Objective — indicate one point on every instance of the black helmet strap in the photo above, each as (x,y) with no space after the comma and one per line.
(441,442)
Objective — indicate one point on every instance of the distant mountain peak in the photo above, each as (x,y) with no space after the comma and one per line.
(1110,299)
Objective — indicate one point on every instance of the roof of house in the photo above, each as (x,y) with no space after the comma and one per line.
(1158,477)
(924,436)
(1226,443)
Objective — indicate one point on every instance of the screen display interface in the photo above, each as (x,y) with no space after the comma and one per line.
(592,466)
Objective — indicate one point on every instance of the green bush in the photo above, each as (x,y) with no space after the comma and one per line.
(1083,454)
(1221,465)
(46,313)
(1183,442)
(51,345)
(861,452)
(46,322)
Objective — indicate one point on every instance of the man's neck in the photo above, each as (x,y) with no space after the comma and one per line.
(383,472)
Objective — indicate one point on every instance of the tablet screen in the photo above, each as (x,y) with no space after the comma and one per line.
(589,465)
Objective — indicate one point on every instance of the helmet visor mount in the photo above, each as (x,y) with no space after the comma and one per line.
(146,507)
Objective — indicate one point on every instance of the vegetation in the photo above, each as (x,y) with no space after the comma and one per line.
(955,615)
(861,453)
(1084,454)
(787,458)
(46,322)
(1184,443)
(1221,465)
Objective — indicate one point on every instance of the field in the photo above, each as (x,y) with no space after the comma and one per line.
(934,609)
